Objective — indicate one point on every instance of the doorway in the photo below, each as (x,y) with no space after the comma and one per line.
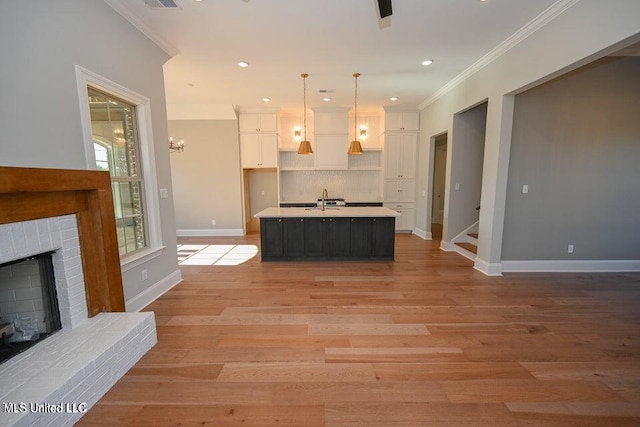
(260,192)
(439,188)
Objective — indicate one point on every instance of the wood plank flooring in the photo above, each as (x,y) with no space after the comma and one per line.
(425,340)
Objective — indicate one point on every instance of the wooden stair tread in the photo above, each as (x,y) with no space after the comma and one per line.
(474,235)
(468,246)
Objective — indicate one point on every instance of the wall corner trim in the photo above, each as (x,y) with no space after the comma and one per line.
(153,292)
(447,246)
(424,235)
(488,268)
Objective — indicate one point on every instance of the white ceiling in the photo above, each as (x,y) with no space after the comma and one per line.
(330,40)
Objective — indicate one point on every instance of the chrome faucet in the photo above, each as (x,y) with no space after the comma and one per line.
(325,195)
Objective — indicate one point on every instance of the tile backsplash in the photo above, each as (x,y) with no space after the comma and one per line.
(300,182)
(352,185)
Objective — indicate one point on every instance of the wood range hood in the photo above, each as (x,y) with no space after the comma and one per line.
(32,193)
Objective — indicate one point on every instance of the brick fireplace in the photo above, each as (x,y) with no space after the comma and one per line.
(68,212)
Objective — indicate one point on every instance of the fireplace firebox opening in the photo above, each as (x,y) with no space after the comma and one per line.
(29,311)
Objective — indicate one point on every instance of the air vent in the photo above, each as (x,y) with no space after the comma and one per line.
(327,91)
(161,3)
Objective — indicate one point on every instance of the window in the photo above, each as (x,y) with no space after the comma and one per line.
(120,140)
(116,145)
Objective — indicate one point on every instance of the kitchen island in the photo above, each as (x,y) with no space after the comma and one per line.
(336,233)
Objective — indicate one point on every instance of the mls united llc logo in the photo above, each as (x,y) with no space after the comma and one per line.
(45,408)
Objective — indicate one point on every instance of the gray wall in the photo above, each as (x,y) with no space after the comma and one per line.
(467,153)
(206,176)
(40,43)
(576,144)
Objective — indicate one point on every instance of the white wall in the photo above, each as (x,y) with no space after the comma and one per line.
(41,42)
(207,177)
(566,42)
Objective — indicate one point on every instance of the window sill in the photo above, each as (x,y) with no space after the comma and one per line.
(140,258)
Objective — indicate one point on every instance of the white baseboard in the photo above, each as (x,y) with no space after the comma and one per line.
(447,246)
(584,266)
(488,268)
(424,235)
(210,232)
(465,253)
(152,293)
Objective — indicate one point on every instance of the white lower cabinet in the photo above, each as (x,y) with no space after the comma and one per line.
(399,190)
(406,221)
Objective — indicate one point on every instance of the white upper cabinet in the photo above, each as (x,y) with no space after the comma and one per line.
(250,122)
(331,152)
(400,155)
(401,120)
(259,150)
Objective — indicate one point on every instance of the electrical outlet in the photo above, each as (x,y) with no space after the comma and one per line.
(213,222)
(144,275)
(570,249)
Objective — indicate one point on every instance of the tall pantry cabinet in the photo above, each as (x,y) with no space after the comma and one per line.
(259,160)
(400,152)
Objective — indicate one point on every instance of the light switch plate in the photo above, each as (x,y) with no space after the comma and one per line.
(525,189)
(164,193)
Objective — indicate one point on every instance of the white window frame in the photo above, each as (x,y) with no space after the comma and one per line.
(85,79)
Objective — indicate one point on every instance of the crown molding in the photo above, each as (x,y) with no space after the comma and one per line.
(127,13)
(534,25)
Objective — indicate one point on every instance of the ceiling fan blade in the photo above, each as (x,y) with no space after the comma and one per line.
(385,8)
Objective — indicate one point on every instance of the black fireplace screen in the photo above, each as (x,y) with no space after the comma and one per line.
(29,309)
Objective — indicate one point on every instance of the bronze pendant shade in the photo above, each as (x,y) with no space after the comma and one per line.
(355,147)
(305,145)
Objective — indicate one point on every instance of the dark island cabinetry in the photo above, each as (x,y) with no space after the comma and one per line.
(327,238)
(271,232)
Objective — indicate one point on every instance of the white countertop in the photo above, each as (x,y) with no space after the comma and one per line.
(352,211)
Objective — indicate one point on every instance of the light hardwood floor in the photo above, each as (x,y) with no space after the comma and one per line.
(422,341)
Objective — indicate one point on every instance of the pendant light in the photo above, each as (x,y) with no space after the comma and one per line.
(305,145)
(355,147)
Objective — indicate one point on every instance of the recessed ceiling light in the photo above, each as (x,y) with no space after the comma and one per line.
(427,62)
(394,98)
(326,99)
(266,99)
(243,64)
